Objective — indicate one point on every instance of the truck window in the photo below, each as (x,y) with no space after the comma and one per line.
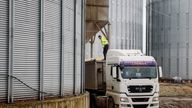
(139,72)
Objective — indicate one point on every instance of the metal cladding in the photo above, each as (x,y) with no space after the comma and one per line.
(169,41)
(126,26)
(41,52)
(126,18)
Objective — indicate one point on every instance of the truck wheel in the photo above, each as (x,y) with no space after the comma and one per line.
(93,101)
(111,103)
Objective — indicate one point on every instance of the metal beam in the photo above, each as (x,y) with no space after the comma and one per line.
(41,95)
(91,42)
(62,53)
(83,46)
(10,72)
(74,50)
(100,29)
(107,34)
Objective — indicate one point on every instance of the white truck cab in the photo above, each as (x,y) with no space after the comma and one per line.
(132,79)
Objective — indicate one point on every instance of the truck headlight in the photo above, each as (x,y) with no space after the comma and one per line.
(124,99)
(156,99)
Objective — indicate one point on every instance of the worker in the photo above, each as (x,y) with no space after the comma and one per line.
(105,45)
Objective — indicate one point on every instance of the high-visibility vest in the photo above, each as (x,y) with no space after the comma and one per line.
(104,41)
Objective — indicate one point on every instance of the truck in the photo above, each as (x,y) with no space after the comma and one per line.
(127,79)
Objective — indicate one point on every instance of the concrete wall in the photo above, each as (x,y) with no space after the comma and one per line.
(81,101)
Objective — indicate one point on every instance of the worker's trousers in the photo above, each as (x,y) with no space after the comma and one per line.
(105,49)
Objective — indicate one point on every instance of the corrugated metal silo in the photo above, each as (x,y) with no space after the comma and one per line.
(171,40)
(4,45)
(126,18)
(25,41)
(41,49)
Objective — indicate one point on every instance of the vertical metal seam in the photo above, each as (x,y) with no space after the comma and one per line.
(178,61)
(121,22)
(81,47)
(134,24)
(188,46)
(187,60)
(169,60)
(41,96)
(62,52)
(126,25)
(116,33)
(83,14)
(9,85)
(74,49)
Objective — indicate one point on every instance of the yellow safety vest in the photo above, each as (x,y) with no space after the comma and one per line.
(104,41)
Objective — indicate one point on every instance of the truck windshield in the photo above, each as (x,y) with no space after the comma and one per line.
(139,72)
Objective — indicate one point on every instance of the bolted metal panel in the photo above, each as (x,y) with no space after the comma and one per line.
(51,46)
(68,30)
(4,27)
(25,48)
(78,47)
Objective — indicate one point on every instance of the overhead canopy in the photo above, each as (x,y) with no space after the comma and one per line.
(96,16)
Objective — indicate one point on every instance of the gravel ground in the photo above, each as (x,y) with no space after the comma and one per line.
(175,90)
(175,102)
(175,95)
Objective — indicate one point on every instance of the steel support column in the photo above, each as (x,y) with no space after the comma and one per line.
(82,46)
(74,50)
(11,33)
(62,53)
(41,95)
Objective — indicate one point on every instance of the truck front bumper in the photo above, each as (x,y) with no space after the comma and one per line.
(140,101)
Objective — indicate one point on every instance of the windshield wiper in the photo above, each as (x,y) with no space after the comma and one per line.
(148,77)
(133,78)
(139,78)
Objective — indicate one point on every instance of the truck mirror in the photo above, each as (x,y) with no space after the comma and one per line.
(121,68)
(118,80)
(160,72)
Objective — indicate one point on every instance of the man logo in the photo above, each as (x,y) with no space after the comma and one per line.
(140,88)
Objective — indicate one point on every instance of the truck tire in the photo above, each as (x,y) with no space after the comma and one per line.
(111,103)
(93,100)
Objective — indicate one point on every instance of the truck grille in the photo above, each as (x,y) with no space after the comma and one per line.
(140,106)
(140,89)
(140,99)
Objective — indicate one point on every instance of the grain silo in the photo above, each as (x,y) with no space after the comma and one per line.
(41,49)
(125,27)
(169,35)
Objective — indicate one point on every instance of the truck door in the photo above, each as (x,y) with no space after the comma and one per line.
(115,78)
